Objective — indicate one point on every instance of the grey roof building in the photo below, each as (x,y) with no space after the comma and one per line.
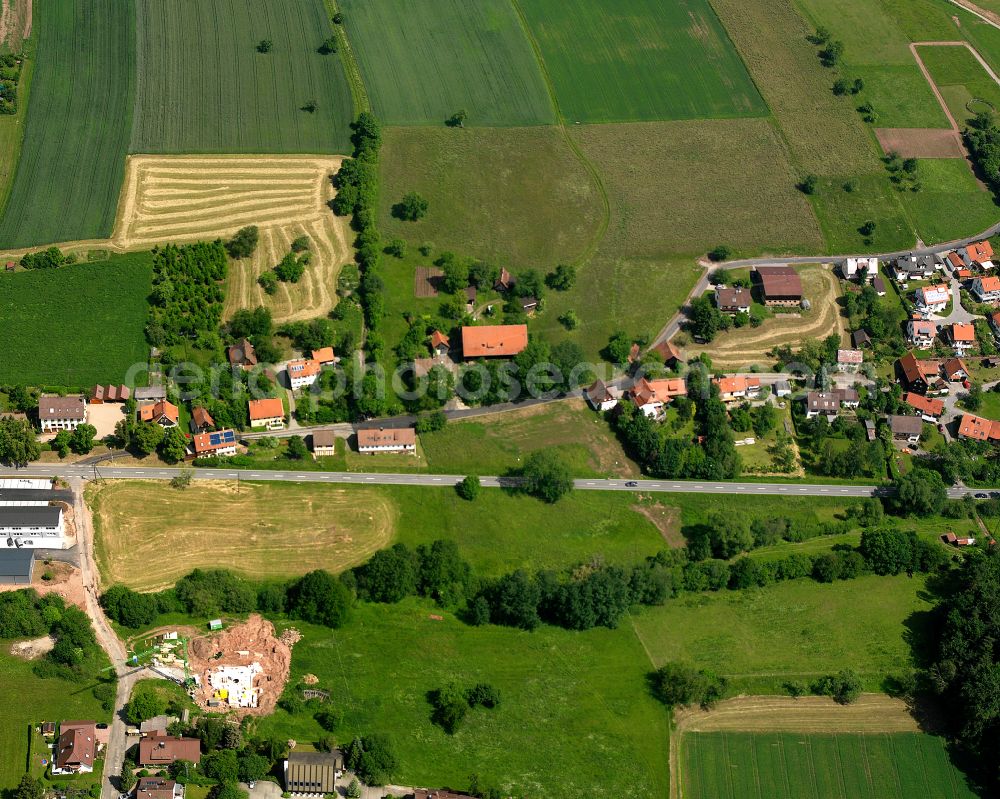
(313,772)
(16,566)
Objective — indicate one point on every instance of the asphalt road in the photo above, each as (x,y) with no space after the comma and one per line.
(442,480)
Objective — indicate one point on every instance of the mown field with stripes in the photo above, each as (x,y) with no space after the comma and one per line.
(743,765)
(194,198)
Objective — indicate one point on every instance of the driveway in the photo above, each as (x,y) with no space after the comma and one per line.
(958,315)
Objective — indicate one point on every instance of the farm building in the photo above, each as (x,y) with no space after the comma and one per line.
(670,354)
(504,282)
(32,527)
(16,566)
(161,750)
(102,394)
(150,394)
(61,413)
(954,369)
(163,413)
(921,376)
(313,772)
(650,396)
(242,354)
(218,444)
(906,428)
(860,339)
(494,341)
(602,396)
(269,413)
(302,373)
(324,443)
(781,286)
(75,748)
(372,440)
(732,300)
(36,497)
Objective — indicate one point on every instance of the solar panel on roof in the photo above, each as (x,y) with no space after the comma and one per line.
(214,438)
(229,436)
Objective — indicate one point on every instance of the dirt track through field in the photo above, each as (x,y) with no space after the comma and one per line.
(746,346)
(871,713)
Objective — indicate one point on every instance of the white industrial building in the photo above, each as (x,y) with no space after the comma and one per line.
(33,527)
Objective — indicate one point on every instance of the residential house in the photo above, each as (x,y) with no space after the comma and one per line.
(163,413)
(879,285)
(933,299)
(975,428)
(650,396)
(733,300)
(670,354)
(906,428)
(986,288)
(781,286)
(849,398)
(158,788)
(962,338)
(324,443)
(439,344)
(602,396)
(920,376)
(372,440)
(101,394)
(302,373)
(963,274)
(313,773)
(995,322)
(829,403)
(954,370)
(269,413)
(979,253)
(849,360)
(955,261)
(860,339)
(737,387)
(76,747)
(201,420)
(242,354)
(61,413)
(633,352)
(860,268)
(32,526)
(920,333)
(159,751)
(504,282)
(781,388)
(930,410)
(914,267)
(217,444)
(494,341)
(324,356)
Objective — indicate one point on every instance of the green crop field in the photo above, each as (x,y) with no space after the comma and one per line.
(733,765)
(74,326)
(517,195)
(203,87)
(79,117)
(424,60)
(644,60)
(575,712)
(961,79)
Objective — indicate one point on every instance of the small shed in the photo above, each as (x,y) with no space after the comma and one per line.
(215,624)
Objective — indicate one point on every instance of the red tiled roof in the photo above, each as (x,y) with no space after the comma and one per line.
(494,340)
(989,283)
(77,744)
(162,750)
(952,367)
(780,281)
(386,437)
(438,338)
(962,333)
(270,408)
(736,384)
(932,407)
(323,355)
(649,391)
(980,251)
(202,417)
(303,368)
(150,413)
(977,428)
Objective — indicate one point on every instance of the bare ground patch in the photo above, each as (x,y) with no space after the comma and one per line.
(33,648)
(427,281)
(920,142)
(667,521)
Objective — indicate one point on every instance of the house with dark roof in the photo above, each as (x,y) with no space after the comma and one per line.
(313,772)
(61,413)
(242,354)
(158,788)
(781,285)
(32,527)
(324,443)
(860,339)
(906,428)
(829,403)
(503,283)
(602,396)
(919,375)
(733,300)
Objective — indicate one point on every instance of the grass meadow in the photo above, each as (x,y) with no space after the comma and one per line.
(70,171)
(644,60)
(27,700)
(733,765)
(961,79)
(516,195)
(948,185)
(203,87)
(424,60)
(574,713)
(76,325)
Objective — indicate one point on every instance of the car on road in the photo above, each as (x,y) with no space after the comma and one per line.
(631,484)
(981,495)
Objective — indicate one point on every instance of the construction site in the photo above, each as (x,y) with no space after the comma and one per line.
(242,668)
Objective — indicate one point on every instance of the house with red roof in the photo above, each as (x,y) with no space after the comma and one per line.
(930,410)
(961,337)
(269,413)
(986,288)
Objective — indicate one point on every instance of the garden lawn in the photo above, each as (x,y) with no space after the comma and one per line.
(70,171)
(77,325)
(796,630)
(27,700)
(204,88)
(990,407)
(515,195)
(732,765)
(424,60)
(574,707)
(644,60)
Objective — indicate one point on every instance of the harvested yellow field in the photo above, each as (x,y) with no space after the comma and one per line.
(148,534)
(181,198)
